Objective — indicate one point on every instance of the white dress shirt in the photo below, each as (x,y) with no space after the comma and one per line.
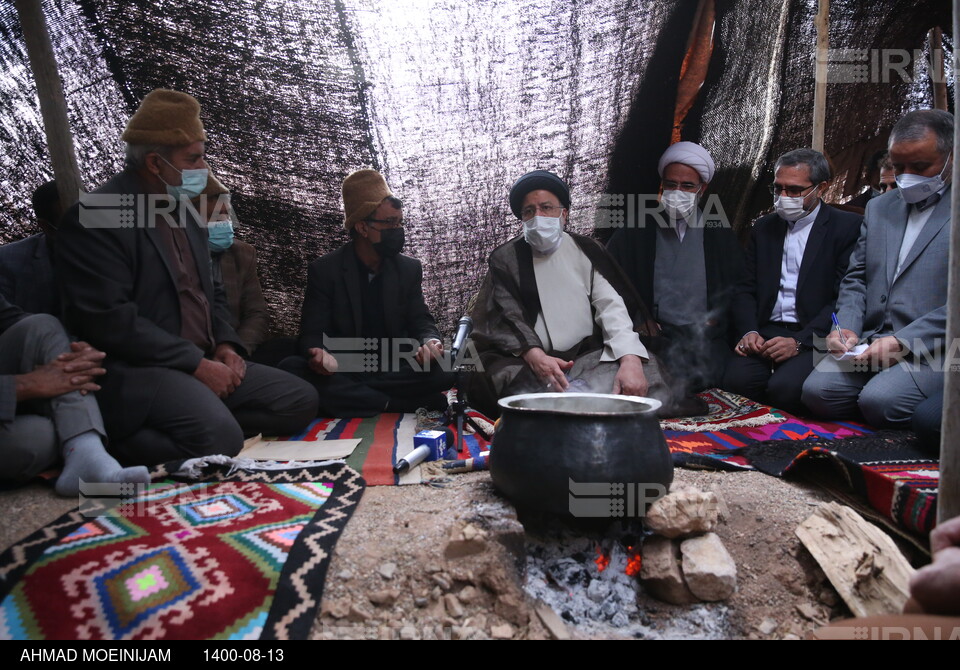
(794,244)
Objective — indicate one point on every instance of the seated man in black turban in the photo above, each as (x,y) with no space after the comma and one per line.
(555,312)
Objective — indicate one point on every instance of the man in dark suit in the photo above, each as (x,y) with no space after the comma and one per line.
(367,340)
(135,271)
(795,261)
(26,269)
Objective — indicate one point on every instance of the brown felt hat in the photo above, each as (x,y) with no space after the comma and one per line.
(167,118)
(363,191)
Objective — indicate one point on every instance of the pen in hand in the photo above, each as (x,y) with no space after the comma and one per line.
(836,324)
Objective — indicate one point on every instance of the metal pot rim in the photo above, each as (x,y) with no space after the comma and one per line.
(651,404)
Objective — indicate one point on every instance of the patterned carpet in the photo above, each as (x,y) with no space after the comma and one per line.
(886,468)
(898,479)
(236,555)
(727,410)
(385,439)
(716,449)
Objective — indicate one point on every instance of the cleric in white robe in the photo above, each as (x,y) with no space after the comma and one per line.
(555,312)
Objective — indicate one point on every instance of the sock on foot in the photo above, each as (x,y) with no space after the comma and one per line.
(84,457)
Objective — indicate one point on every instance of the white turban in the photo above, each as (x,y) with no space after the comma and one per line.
(689,154)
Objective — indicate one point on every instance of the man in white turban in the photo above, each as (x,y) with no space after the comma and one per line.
(684,265)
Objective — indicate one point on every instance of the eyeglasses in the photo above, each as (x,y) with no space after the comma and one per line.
(791,191)
(387,223)
(529,212)
(689,186)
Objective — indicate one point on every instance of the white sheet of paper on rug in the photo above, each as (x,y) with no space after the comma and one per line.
(856,351)
(260,449)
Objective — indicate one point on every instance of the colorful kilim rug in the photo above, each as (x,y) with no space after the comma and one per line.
(703,442)
(887,468)
(717,448)
(385,439)
(727,410)
(240,555)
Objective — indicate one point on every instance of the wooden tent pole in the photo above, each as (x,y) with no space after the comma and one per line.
(53,105)
(948,497)
(822,22)
(937,79)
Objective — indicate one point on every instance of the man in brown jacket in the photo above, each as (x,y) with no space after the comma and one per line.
(234,264)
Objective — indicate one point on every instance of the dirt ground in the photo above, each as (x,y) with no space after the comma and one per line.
(781,592)
(446,561)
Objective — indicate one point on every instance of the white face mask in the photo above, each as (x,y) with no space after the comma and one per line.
(915,188)
(792,209)
(543,233)
(679,204)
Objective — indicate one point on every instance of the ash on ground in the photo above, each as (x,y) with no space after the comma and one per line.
(562,570)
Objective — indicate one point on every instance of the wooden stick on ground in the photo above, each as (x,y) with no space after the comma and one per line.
(860,560)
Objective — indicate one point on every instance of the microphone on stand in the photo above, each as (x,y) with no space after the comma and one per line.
(459,406)
(464,327)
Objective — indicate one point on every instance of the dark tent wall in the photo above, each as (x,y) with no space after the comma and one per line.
(469,96)
(453,100)
(859,115)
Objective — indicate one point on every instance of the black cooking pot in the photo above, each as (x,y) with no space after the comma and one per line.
(563,453)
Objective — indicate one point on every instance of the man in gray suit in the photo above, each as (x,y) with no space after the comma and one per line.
(894,294)
(46,406)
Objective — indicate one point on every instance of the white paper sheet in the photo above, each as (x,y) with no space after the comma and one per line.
(856,351)
(320,450)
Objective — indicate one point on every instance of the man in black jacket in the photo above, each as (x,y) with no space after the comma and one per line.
(795,261)
(135,273)
(368,343)
(27,278)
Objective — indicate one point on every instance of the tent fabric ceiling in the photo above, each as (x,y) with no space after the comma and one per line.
(453,101)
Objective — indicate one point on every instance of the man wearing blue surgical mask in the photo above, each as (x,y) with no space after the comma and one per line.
(135,274)
(893,300)
(234,264)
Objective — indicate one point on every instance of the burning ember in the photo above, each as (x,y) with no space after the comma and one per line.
(593,583)
(602,560)
(633,563)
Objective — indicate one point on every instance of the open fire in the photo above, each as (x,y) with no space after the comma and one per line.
(634,562)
